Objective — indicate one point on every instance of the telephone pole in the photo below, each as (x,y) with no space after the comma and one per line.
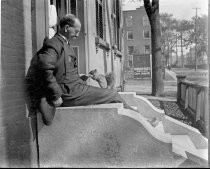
(176,50)
(196,17)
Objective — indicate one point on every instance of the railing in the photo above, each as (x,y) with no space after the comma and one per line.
(195,99)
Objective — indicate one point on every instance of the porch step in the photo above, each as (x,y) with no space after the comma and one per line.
(176,127)
(186,140)
(99,136)
(144,105)
(182,145)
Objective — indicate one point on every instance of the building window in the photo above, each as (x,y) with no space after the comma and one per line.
(146,34)
(129,35)
(145,20)
(130,63)
(72,7)
(100,18)
(116,22)
(130,50)
(129,21)
(147,49)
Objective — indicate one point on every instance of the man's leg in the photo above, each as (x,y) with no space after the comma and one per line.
(95,95)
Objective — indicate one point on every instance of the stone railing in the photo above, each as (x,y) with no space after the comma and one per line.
(195,99)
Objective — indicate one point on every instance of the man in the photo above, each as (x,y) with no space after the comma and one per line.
(53,72)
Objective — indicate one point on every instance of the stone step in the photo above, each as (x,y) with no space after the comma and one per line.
(175,127)
(170,125)
(183,145)
(145,107)
(97,136)
(129,97)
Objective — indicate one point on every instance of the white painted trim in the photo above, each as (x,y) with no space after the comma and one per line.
(115,106)
(110,105)
(126,93)
(86,33)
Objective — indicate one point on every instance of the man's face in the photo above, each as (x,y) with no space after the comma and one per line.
(73,32)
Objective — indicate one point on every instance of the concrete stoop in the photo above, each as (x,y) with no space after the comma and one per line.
(108,135)
(186,140)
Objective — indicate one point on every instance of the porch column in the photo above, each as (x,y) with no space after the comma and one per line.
(180,78)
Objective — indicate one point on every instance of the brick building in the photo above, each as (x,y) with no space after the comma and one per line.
(24,25)
(137,39)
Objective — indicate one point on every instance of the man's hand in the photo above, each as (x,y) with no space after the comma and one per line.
(58,102)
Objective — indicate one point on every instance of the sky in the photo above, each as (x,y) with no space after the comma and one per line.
(181,9)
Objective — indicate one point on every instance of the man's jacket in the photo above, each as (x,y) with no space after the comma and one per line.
(53,72)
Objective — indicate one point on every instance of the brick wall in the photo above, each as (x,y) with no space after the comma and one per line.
(16,51)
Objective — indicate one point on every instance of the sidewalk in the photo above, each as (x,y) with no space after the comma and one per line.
(144,87)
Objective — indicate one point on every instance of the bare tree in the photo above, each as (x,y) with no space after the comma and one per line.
(152,10)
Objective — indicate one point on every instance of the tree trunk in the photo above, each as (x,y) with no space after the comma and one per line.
(152,10)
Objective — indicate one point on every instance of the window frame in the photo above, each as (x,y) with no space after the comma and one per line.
(116,18)
(145,49)
(132,34)
(100,22)
(144,34)
(69,7)
(128,49)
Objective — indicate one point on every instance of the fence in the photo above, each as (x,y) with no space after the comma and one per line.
(195,99)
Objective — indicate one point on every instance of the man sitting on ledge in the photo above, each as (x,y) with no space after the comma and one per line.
(53,72)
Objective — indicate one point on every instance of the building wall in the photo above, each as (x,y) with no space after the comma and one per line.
(23,29)
(15,137)
(138,28)
(99,58)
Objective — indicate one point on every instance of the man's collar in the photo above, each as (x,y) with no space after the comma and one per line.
(64,38)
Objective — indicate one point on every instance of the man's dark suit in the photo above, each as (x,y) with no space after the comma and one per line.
(53,73)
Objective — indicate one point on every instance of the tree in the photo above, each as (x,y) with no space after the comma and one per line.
(152,10)
(168,35)
(201,35)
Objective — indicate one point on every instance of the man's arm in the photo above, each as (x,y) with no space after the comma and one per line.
(46,62)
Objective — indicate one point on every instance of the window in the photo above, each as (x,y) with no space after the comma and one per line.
(116,22)
(147,49)
(129,21)
(145,20)
(72,7)
(130,63)
(129,35)
(130,50)
(146,34)
(99,18)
